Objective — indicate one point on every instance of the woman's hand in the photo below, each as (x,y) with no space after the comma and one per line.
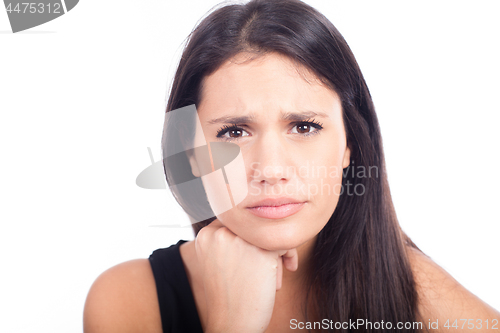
(240,279)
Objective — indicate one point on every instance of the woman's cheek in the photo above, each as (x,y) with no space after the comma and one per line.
(217,192)
(226,186)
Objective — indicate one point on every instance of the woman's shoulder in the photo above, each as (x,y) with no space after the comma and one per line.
(444,299)
(123,299)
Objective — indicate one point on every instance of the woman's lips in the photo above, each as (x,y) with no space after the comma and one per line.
(276,212)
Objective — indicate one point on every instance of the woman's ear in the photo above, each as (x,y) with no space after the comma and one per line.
(347,157)
(194,165)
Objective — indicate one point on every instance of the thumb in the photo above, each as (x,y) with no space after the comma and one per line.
(291,260)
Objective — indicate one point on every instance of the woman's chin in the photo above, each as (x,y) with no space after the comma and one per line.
(274,241)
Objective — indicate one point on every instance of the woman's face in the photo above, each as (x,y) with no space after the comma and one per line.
(292,139)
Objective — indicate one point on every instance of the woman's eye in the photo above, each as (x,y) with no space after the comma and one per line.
(236,133)
(232,133)
(305,128)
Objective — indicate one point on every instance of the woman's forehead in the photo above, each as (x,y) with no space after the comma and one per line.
(267,84)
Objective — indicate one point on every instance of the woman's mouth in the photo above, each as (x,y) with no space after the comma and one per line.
(276,208)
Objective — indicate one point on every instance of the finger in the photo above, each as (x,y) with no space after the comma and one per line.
(279,274)
(291,260)
(206,233)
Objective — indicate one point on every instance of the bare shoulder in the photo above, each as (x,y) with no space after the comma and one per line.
(443,298)
(123,299)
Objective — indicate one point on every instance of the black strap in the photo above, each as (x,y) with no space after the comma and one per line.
(177,306)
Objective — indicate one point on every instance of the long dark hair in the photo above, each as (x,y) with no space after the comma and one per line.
(360,266)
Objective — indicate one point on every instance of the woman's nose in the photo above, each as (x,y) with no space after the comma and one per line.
(270,161)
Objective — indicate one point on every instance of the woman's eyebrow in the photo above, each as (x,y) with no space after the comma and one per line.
(233,120)
(301,116)
(288,116)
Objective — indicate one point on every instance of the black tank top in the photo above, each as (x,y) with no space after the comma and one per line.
(177,306)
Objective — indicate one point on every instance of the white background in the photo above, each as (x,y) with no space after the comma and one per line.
(83,96)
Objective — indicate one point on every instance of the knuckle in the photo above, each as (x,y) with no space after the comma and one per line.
(202,236)
(221,234)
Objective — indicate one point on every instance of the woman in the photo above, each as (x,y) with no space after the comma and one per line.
(315,244)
